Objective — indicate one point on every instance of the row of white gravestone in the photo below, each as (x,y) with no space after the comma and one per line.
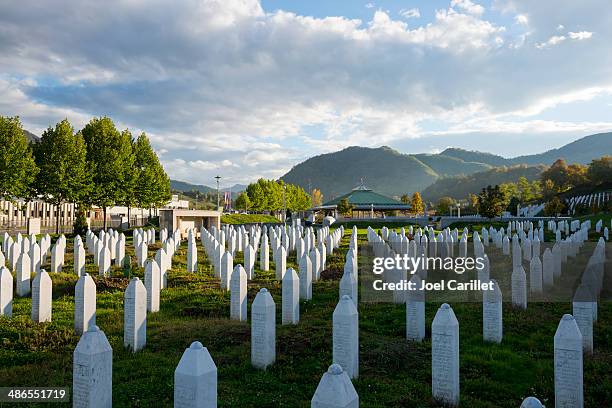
(41,295)
(195,378)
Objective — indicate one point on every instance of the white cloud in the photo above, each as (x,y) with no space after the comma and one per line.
(468,6)
(581,35)
(552,41)
(226,87)
(410,13)
(521,19)
(369,5)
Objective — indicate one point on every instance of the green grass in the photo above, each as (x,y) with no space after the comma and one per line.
(248,218)
(393,372)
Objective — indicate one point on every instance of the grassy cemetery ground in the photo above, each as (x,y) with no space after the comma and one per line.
(393,372)
(248,218)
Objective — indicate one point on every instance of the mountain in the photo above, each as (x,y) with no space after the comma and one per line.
(31,136)
(183,186)
(460,186)
(580,151)
(236,188)
(459,171)
(476,157)
(385,170)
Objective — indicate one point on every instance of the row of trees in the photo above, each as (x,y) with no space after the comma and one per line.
(273,196)
(97,165)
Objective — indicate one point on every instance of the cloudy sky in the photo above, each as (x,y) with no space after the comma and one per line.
(247,88)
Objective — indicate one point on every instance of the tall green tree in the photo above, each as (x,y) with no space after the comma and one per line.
(600,170)
(491,202)
(127,196)
(17,166)
(152,188)
(64,176)
(243,201)
(107,152)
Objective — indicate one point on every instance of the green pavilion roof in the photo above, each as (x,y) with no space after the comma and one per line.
(362,197)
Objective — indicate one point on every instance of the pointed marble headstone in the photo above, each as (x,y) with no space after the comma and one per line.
(445,356)
(79,259)
(531,402)
(92,371)
(535,275)
(281,263)
(569,390)
(492,314)
(335,390)
(135,316)
(519,288)
(582,310)
(41,297)
(548,269)
(263,330)
(23,273)
(195,379)
(238,294)
(305,278)
(192,255)
(415,310)
(6,292)
(346,336)
(290,298)
(227,266)
(84,304)
(152,284)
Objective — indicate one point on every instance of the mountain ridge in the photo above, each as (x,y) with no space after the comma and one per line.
(393,173)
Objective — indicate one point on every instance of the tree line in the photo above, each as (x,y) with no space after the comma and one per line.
(273,196)
(95,166)
(553,183)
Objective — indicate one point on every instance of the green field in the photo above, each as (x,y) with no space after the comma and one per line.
(393,371)
(248,219)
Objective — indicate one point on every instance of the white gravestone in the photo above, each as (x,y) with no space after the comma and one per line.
(264,254)
(56,257)
(335,390)
(6,292)
(192,255)
(535,275)
(249,261)
(84,304)
(519,288)
(104,261)
(263,330)
(23,273)
(79,259)
(41,297)
(92,371)
(305,278)
(582,310)
(548,278)
(281,263)
(152,284)
(34,253)
(568,364)
(290,298)
(445,356)
(492,314)
(135,316)
(238,294)
(195,379)
(531,402)
(227,266)
(346,336)
(415,310)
